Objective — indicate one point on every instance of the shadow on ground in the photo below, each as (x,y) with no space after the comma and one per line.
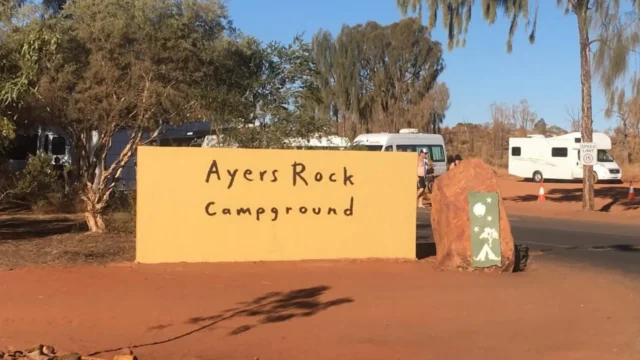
(617,247)
(13,208)
(424,241)
(21,227)
(273,307)
(616,195)
(574,181)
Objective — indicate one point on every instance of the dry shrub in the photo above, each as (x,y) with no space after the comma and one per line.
(631,172)
(121,213)
(38,187)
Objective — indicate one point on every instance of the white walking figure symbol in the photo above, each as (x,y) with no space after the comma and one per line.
(488,234)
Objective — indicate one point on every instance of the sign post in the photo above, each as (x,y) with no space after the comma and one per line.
(588,154)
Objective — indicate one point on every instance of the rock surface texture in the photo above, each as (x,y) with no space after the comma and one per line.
(450,217)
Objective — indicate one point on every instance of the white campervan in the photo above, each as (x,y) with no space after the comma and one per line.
(558,157)
(408,140)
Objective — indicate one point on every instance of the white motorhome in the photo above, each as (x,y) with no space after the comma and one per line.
(537,157)
(408,140)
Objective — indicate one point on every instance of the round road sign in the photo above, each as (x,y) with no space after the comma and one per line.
(588,158)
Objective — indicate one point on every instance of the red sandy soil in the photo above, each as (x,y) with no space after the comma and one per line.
(349,310)
(564,200)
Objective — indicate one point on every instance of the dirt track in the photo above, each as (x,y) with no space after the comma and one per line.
(323,310)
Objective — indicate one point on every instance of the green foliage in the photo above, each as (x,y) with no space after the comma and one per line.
(456,16)
(22,50)
(375,77)
(37,179)
(7,132)
(38,186)
(618,38)
(124,64)
(265,92)
(94,67)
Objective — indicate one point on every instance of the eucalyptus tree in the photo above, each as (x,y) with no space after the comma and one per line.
(372,76)
(25,40)
(124,65)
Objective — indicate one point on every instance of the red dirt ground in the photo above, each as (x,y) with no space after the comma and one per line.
(564,200)
(349,310)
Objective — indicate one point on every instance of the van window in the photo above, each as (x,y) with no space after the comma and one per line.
(408,148)
(374,147)
(516,151)
(603,156)
(58,146)
(437,153)
(577,140)
(388,148)
(559,152)
(22,146)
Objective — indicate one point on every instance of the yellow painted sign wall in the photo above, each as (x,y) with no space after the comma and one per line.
(208,205)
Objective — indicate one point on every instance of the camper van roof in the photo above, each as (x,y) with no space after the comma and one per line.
(327,141)
(601,139)
(382,138)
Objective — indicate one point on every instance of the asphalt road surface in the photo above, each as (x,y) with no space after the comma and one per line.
(609,246)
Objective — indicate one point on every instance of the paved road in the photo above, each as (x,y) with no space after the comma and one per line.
(610,246)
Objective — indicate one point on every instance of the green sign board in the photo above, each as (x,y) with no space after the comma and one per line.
(484,218)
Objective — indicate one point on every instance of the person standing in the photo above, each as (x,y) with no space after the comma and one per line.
(60,172)
(456,161)
(429,175)
(422,185)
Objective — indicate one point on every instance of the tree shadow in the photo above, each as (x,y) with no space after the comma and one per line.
(13,208)
(424,241)
(617,247)
(29,227)
(273,307)
(425,250)
(607,207)
(572,181)
(617,196)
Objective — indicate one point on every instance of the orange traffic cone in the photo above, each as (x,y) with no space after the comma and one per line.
(541,196)
(631,195)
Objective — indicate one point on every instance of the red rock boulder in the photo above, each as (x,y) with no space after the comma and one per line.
(450,219)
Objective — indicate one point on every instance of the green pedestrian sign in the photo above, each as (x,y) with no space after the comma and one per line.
(484,215)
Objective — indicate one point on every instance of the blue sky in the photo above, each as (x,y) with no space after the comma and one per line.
(545,73)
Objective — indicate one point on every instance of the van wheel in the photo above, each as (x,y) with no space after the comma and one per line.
(595,177)
(537,176)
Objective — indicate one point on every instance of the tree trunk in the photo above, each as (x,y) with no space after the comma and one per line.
(95,221)
(581,10)
(625,141)
(93,212)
